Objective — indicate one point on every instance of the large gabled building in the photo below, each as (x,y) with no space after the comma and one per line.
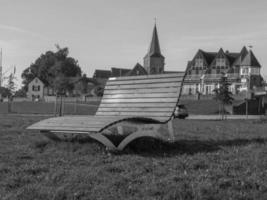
(206,68)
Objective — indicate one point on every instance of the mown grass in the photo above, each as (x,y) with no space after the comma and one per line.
(49,108)
(209,160)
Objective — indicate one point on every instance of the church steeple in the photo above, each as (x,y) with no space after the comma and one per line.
(154,60)
(154,49)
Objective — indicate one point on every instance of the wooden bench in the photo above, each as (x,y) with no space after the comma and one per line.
(143,102)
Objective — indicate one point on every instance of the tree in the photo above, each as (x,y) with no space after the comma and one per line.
(20,93)
(51,66)
(4,92)
(11,86)
(223,94)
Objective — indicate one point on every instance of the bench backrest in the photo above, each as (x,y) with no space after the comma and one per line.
(150,96)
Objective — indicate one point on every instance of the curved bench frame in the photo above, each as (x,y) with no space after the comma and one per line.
(143,130)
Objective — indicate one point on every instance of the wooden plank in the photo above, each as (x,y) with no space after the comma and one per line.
(95,119)
(140,105)
(140,114)
(140,86)
(144,81)
(178,74)
(67,129)
(147,95)
(148,100)
(137,109)
(97,122)
(142,91)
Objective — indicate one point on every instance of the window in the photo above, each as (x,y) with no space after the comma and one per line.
(244,71)
(220,62)
(199,62)
(255,71)
(36,88)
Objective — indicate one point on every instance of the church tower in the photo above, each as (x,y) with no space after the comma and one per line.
(154,61)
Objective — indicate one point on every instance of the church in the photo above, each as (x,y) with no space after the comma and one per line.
(153,63)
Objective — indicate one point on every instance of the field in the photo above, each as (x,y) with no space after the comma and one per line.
(206,107)
(48,108)
(209,160)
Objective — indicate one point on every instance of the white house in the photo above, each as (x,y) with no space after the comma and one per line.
(35,90)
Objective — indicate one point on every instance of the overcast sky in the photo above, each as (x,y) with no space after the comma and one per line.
(102,34)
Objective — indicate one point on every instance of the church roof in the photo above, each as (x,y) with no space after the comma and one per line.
(250,60)
(154,49)
(102,73)
(137,70)
(117,72)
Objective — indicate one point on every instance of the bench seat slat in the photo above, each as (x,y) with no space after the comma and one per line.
(136,95)
(147,86)
(178,74)
(145,114)
(136,105)
(142,91)
(149,100)
(138,109)
(144,81)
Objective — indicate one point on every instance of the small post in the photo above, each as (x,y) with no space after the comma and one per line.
(75,105)
(171,131)
(55,106)
(246,108)
(60,107)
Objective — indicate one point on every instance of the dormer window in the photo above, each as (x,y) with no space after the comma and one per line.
(199,62)
(220,62)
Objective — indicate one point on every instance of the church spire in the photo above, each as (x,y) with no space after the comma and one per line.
(154,49)
(154,60)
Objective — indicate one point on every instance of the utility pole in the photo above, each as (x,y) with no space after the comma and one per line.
(1,69)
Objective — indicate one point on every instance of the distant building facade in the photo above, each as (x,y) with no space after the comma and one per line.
(206,68)
(203,72)
(35,89)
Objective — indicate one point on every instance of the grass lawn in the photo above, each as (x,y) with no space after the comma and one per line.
(209,160)
(29,107)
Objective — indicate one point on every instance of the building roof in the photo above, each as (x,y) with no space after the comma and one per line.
(137,70)
(154,49)
(101,73)
(250,60)
(117,72)
(244,57)
(36,78)
(241,56)
(209,56)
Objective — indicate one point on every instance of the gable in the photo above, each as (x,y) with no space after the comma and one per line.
(137,70)
(220,54)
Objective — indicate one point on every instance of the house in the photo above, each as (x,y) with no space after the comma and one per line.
(204,71)
(35,90)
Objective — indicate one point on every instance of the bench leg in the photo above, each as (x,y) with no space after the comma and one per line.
(142,131)
(103,140)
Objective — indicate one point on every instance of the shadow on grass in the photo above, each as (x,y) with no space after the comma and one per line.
(155,147)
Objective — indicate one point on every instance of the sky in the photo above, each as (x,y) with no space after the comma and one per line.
(102,34)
